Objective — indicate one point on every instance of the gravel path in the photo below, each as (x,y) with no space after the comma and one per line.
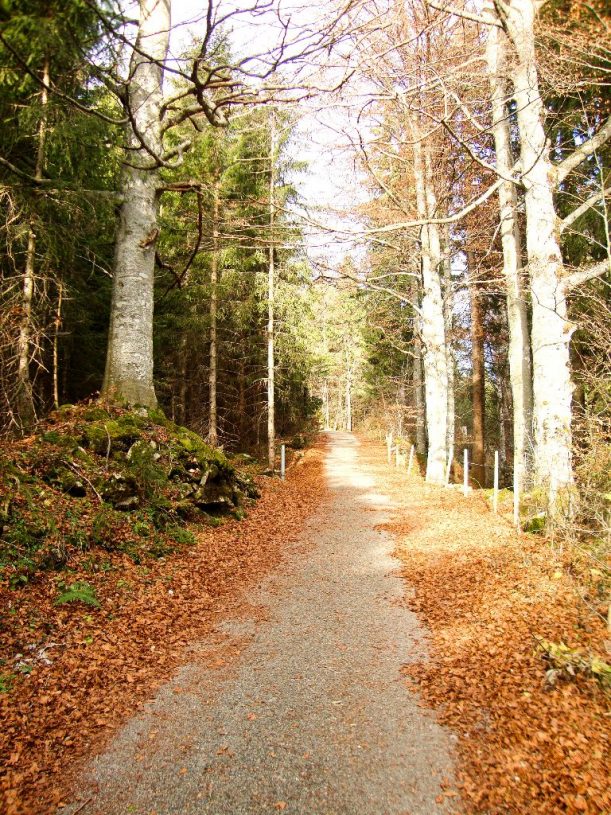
(297,703)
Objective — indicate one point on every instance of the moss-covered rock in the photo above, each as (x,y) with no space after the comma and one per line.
(98,475)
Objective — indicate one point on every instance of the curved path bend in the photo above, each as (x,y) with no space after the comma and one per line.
(308,714)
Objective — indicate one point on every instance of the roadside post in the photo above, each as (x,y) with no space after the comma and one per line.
(495,498)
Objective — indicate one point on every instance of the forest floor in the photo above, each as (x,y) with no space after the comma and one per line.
(289,674)
(85,671)
(488,596)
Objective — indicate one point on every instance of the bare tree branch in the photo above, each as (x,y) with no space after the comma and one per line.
(588,204)
(583,151)
(588,273)
(465,15)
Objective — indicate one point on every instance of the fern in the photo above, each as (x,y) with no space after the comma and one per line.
(79,592)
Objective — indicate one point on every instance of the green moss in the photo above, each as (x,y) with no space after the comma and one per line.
(181,535)
(95,413)
(64,411)
(141,528)
(535,525)
(143,463)
(121,433)
(158,417)
(150,480)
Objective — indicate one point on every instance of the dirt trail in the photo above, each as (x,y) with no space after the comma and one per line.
(298,705)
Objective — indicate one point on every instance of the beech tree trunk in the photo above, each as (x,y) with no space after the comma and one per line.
(448,318)
(129,361)
(520,367)
(551,330)
(418,386)
(435,361)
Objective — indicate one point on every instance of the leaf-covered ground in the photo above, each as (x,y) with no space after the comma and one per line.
(73,672)
(486,595)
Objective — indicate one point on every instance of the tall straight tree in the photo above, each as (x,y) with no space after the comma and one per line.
(549,283)
(432,327)
(520,367)
(129,361)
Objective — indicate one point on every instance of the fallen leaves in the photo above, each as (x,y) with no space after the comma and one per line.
(484,593)
(105,663)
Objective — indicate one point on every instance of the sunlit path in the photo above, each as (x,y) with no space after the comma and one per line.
(313,717)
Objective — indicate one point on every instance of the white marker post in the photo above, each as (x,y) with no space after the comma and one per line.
(389,446)
(495,495)
(411,460)
(282,461)
(449,464)
(465,486)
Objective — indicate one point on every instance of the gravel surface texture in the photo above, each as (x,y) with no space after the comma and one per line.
(296,704)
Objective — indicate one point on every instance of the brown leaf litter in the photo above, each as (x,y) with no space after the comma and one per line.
(90,669)
(485,593)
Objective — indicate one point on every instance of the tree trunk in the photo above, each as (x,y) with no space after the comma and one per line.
(505,432)
(478,378)
(214,280)
(418,386)
(348,401)
(271,427)
(520,368)
(57,323)
(326,404)
(183,356)
(448,318)
(25,396)
(129,361)
(551,330)
(432,322)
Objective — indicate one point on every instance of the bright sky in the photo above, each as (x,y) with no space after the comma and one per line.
(329,183)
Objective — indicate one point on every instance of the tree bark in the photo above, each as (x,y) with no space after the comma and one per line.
(418,386)
(551,330)
(520,367)
(57,323)
(214,281)
(271,426)
(129,361)
(478,379)
(432,320)
(348,398)
(25,395)
(448,318)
